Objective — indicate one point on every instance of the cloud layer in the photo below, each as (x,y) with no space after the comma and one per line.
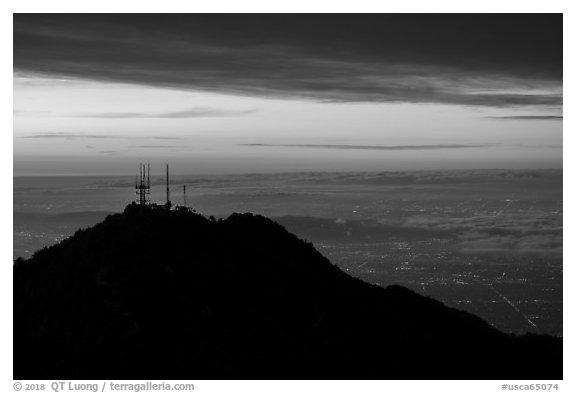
(529,117)
(476,60)
(184,114)
(72,135)
(367,147)
(181,114)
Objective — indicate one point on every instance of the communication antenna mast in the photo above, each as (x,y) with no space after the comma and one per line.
(143,185)
(184,195)
(168,203)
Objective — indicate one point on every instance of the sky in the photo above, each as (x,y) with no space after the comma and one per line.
(97,94)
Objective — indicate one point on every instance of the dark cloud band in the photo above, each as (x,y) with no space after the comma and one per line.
(71,135)
(537,118)
(475,60)
(185,114)
(368,147)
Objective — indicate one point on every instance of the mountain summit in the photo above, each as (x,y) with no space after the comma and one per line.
(161,294)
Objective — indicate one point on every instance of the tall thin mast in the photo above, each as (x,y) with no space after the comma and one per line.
(142,174)
(168,203)
(184,195)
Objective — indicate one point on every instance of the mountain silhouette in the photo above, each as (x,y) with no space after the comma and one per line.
(158,294)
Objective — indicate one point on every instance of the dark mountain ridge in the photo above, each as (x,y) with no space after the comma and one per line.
(158,294)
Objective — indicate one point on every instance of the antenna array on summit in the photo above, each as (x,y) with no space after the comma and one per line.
(143,184)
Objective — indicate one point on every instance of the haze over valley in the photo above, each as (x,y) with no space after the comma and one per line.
(485,241)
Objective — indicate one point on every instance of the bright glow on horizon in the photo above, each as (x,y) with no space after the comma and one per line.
(65,126)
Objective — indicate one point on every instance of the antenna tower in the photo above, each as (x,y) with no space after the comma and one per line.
(184,195)
(143,184)
(168,203)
